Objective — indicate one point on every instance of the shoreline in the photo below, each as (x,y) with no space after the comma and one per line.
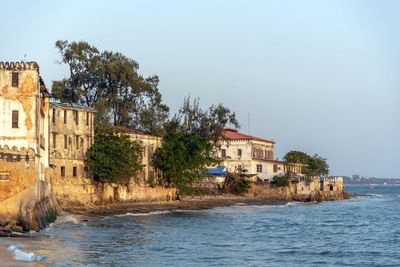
(185,203)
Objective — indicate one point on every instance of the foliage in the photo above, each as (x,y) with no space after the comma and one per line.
(207,123)
(113,157)
(183,158)
(315,165)
(281,181)
(109,82)
(236,183)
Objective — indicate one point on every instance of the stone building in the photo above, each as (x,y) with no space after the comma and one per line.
(71,134)
(149,143)
(332,184)
(25,174)
(254,154)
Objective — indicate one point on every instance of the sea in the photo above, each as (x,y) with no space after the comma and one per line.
(361,231)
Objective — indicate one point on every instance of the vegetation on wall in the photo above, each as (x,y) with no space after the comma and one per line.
(113,157)
(281,181)
(314,165)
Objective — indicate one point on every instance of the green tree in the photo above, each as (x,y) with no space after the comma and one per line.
(113,157)
(314,165)
(99,76)
(183,158)
(207,123)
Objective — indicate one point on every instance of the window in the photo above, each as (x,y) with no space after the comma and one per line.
(239,152)
(65,142)
(259,168)
(62,171)
(74,171)
(275,168)
(76,117)
(65,116)
(77,141)
(54,140)
(14,79)
(54,116)
(87,118)
(223,153)
(15,119)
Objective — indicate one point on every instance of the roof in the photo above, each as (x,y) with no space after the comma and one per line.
(233,134)
(127,129)
(71,106)
(280,162)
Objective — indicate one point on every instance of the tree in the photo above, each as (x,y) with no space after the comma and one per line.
(314,165)
(109,82)
(113,157)
(207,123)
(183,158)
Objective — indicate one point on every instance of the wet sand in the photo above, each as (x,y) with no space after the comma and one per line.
(185,203)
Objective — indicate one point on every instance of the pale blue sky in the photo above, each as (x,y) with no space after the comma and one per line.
(317,76)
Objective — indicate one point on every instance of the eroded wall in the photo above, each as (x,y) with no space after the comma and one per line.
(25,176)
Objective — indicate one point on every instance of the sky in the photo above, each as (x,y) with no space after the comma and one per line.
(316,76)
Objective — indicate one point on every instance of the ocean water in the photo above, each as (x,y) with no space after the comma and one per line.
(362,231)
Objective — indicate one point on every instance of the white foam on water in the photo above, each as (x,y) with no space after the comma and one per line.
(71,219)
(376,195)
(22,255)
(144,214)
(49,228)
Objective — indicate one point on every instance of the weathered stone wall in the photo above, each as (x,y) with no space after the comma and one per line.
(72,134)
(83,192)
(303,190)
(26,202)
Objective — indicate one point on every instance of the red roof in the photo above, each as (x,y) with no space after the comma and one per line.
(233,134)
(127,129)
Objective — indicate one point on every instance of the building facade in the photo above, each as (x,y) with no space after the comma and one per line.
(149,144)
(25,174)
(71,135)
(256,155)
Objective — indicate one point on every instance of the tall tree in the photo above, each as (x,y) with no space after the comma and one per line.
(207,123)
(183,158)
(109,82)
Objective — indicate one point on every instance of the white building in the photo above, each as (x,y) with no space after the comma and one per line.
(256,155)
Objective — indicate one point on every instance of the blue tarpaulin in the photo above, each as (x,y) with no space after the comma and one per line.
(219,171)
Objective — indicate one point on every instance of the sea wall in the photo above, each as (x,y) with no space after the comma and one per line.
(300,190)
(86,192)
(26,201)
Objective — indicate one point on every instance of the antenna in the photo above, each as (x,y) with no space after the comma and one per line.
(248,124)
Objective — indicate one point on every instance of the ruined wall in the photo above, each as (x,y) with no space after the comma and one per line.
(25,202)
(85,192)
(300,190)
(71,135)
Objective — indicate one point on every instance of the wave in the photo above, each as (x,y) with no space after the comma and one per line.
(376,195)
(71,219)
(22,255)
(144,214)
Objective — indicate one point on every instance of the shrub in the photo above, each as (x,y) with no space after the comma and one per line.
(236,183)
(113,157)
(281,181)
